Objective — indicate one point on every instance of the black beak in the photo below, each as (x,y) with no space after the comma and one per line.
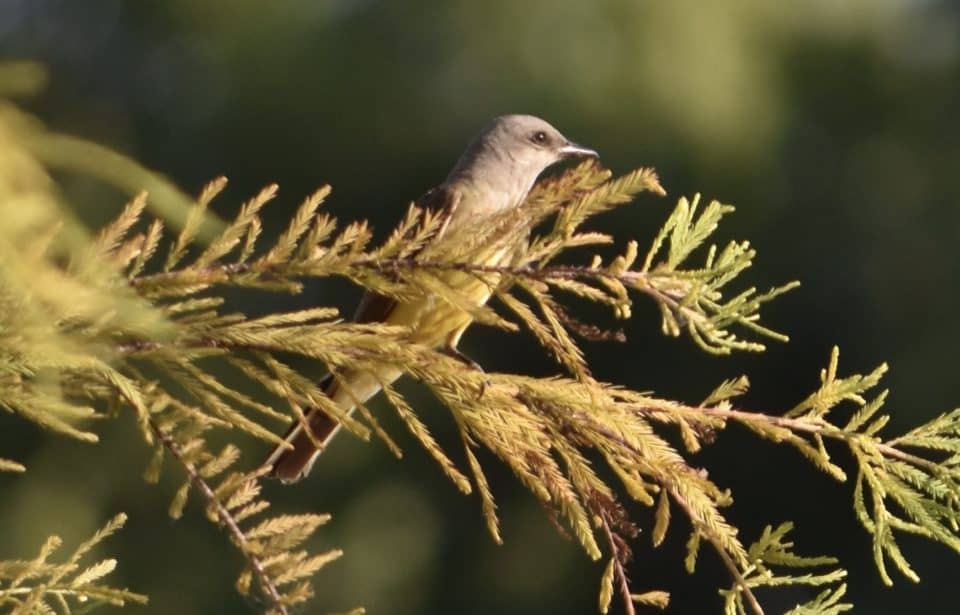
(572,150)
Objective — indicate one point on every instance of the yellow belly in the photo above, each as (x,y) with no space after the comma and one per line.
(432,321)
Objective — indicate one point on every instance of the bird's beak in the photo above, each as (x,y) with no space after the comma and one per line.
(572,150)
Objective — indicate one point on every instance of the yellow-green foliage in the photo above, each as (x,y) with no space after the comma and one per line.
(39,585)
(134,317)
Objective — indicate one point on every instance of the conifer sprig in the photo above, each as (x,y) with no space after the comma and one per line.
(772,551)
(277,571)
(572,487)
(896,489)
(689,299)
(41,585)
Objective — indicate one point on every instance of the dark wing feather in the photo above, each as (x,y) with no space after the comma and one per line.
(375,307)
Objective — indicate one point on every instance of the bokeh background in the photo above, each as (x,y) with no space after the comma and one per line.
(833,126)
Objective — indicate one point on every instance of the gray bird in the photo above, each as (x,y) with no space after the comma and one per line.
(495,173)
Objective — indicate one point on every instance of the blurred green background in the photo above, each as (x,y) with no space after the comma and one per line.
(833,126)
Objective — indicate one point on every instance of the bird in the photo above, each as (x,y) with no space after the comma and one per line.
(493,175)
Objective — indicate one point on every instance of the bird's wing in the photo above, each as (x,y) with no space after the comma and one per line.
(375,307)
(443,199)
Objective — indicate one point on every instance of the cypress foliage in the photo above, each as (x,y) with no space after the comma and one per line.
(133,319)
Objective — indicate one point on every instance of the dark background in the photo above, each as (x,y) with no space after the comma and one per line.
(833,126)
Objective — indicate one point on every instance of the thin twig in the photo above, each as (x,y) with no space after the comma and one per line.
(728,562)
(233,529)
(636,279)
(223,272)
(621,575)
(694,519)
(799,425)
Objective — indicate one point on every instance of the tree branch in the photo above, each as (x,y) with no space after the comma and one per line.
(728,562)
(799,425)
(622,581)
(233,529)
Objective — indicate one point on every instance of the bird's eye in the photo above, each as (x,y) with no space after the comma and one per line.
(539,137)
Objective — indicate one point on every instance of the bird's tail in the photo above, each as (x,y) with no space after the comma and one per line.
(291,464)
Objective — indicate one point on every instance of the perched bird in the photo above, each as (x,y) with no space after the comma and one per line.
(494,174)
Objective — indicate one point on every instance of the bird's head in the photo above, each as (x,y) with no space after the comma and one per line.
(512,150)
(531,142)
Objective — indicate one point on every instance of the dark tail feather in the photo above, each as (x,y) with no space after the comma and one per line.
(292,464)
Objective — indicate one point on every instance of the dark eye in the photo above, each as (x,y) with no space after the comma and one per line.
(539,137)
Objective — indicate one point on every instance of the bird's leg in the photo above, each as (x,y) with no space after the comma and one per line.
(450,349)
(455,353)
